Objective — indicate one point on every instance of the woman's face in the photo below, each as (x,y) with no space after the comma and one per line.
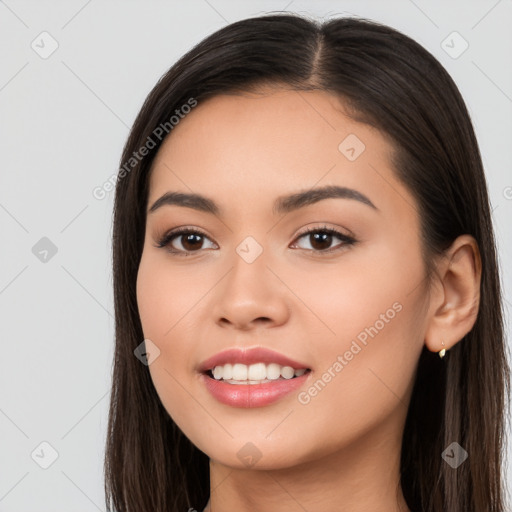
(349,308)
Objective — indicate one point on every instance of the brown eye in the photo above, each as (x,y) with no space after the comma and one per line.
(320,240)
(186,241)
(183,241)
(190,242)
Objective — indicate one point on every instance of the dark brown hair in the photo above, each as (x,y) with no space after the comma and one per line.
(392,83)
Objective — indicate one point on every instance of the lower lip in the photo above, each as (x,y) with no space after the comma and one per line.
(252,395)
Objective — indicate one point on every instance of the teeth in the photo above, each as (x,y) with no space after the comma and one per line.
(217,372)
(239,372)
(255,373)
(273,371)
(228,371)
(287,372)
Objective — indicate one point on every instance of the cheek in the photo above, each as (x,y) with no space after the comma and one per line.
(163,296)
(164,300)
(368,313)
(360,292)
(168,296)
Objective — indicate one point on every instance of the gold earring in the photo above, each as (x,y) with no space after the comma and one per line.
(442,352)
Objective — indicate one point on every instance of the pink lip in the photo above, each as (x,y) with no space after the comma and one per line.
(249,356)
(252,395)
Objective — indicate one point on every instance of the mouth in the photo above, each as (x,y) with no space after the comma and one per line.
(253,374)
(254,377)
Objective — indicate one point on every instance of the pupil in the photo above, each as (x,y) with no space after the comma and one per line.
(189,239)
(321,238)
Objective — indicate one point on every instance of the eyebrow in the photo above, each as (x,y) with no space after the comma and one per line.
(283,204)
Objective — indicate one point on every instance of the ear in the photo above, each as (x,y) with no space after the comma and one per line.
(455,295)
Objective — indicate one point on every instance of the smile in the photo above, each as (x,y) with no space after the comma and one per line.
(258,373)
(252,377)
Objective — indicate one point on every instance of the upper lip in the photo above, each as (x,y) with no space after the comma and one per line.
(249,356)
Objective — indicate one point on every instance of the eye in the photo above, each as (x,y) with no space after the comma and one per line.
(320,239)
(191,241)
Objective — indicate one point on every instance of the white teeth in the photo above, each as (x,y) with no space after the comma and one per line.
(273,371)
(228,371)
(218,372)
(255,373)
(287,372)
(239,372)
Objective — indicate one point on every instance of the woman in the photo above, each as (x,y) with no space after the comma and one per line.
(308,309)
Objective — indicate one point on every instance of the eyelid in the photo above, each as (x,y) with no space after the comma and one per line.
(324,227)
(346,239)
(169,236)
(164,240)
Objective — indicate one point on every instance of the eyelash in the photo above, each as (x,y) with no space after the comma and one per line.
(164,242)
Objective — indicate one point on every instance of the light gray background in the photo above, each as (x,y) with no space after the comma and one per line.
(64,120)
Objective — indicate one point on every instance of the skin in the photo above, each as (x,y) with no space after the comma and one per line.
(341,450)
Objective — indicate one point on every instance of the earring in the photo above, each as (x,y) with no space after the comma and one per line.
(442,352)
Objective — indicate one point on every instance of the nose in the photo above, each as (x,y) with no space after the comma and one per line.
(249,296)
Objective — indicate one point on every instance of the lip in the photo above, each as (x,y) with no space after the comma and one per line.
(248,357)
(252,395)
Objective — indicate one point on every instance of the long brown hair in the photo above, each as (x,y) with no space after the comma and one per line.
(391,82)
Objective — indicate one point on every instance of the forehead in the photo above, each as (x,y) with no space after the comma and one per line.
(309,123)
(245,147)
